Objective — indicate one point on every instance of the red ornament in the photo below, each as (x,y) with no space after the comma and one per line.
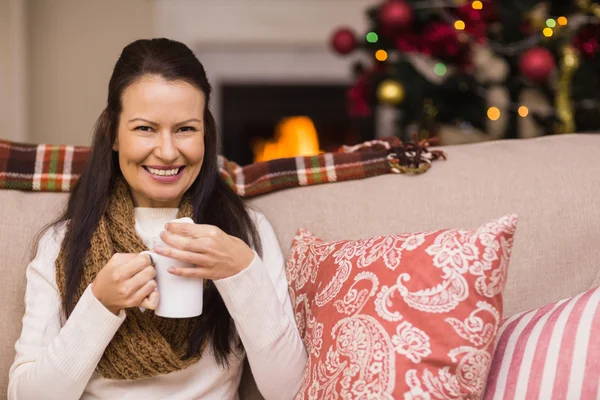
(537,64)
(344,41)
(395,16)
(475,23)
(357,99)
(587,40)
(408,42)
(358,95)
(442,41)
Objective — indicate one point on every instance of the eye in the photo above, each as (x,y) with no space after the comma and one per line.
(144,128)
(187,129)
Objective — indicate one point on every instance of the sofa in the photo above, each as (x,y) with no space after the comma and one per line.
(552,183)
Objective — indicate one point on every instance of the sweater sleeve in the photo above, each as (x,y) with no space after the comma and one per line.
(258,300)
(54,361)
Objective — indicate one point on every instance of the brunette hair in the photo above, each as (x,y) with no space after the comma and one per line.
(213,201)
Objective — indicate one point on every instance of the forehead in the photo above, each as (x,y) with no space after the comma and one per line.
(155,97)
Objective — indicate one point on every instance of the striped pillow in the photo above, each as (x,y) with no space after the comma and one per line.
(549,353)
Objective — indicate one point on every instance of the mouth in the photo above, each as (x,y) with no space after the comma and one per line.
(164,171)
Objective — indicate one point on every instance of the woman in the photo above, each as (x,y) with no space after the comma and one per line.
(153,159)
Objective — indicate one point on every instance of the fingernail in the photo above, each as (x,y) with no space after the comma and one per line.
(171,270)
(158,248)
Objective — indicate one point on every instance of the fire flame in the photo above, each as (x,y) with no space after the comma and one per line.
(294,136)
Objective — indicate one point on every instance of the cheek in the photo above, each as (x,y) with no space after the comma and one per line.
(133,152)
(195,154)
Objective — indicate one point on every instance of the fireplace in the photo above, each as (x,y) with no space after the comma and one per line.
(277,46)
(251,112)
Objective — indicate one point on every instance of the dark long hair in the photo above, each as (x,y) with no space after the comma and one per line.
(213,201)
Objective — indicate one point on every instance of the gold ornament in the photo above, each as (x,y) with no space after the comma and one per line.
(390,92)
(563,102)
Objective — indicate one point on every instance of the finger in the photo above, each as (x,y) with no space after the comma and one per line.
(151,301)
(122,258)
(135,265)
(141,278)
(196,245)
(185,256)
(194,272)
(192,230)
(145,291)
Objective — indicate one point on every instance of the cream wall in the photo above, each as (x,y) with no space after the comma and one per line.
(13,71)
(4,71)
(72,48)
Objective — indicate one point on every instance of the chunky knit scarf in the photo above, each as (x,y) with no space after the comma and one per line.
(145,345)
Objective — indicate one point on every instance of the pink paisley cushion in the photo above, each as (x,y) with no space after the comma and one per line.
(410,316)
(552,352)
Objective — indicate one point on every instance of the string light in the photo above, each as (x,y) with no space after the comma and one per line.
(440,69)
(511,49)
(381,55)
(523,111)
(372,37)
(459,25)
(562,21)
(493,113)
(548,32)
(477,5)
(550,23)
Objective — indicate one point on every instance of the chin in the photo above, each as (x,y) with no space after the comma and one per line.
(172,200)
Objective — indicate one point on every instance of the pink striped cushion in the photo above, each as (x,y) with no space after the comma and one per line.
(549,353)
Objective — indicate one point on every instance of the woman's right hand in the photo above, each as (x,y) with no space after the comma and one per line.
(126,281)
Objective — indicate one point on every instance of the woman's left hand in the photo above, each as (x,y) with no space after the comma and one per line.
(216,254)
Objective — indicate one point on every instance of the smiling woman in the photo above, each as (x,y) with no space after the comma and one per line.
(160,140)
(154,159)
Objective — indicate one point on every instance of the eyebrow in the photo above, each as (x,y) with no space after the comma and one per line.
(154,123)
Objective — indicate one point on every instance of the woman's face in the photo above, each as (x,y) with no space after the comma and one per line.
(160,140)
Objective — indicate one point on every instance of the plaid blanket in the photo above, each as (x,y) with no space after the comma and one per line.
(55,168)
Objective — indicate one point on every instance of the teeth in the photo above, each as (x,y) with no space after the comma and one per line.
(162,172)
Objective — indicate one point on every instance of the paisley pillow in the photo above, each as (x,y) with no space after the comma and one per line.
(410,316)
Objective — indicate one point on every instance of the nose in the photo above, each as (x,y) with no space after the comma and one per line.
(166,149)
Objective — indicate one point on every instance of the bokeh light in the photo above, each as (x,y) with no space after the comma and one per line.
(523,111)
(381,55)
(493,113)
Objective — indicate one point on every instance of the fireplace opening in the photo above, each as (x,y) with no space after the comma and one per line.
(261,121)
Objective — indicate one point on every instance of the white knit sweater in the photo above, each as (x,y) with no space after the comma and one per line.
(59,362)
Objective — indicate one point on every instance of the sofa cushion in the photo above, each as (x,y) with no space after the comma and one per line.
(551,352)
(22,215)
(551,183)
(400,316)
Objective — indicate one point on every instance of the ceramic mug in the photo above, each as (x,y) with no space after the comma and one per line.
(180,297)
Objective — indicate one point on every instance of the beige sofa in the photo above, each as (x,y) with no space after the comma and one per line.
(553,183)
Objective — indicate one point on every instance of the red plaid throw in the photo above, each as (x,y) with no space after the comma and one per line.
(54,168)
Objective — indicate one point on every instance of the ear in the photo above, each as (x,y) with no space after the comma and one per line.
(115,145)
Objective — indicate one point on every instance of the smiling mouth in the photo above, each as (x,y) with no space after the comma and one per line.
(163,172)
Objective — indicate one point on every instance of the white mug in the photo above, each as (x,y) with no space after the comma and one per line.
(180,297)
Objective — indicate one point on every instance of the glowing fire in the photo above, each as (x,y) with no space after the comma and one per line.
(294,136)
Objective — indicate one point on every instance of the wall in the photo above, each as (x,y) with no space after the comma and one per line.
(70,47)
(292,23)
(13,72)
(73,45)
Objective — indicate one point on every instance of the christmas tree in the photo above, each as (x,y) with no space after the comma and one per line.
(501,66)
